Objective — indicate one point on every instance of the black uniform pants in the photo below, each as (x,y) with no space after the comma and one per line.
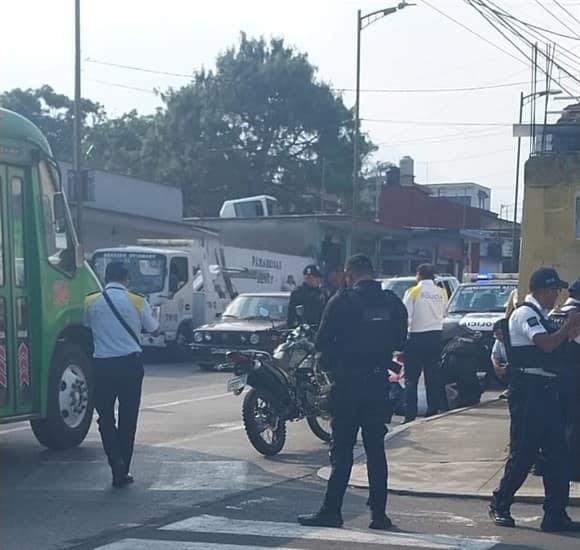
(571,406)
(118,379)
(536,422)
(358,401)
(422,354)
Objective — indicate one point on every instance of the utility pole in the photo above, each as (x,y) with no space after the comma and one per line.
(77,113)
(323,185)
(516,192)
(362,22)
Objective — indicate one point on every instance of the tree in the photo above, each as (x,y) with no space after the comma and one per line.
(53,114)
(260,123)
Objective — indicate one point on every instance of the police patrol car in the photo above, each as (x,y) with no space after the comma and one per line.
(475,306)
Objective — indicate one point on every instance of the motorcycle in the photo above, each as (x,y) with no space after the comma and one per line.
(285,386)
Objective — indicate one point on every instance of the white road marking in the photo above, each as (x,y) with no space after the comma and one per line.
(12,430)
(271,529)
(213,433)
(142,544)
(185,401)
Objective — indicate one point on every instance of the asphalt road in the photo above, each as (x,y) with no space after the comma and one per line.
(200,485)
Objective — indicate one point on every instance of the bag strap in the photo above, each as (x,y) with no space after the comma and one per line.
(119,317)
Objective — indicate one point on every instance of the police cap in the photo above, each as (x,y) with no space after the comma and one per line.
(546,277)
(312,270)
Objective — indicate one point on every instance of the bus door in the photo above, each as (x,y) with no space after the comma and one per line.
(16,395)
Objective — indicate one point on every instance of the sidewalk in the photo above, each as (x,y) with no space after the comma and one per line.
(458,454)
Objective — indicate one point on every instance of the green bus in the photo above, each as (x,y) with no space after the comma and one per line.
(45,369)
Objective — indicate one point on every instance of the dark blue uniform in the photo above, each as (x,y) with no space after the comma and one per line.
(360,330)
(537,420)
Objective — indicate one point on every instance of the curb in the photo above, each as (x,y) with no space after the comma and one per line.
(467,495)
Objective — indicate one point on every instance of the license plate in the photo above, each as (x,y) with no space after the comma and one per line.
(220,351)
(237,383)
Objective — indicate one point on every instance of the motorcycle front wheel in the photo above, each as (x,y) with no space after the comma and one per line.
(320,427)
(264,426)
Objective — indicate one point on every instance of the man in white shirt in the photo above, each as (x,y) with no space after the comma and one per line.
(426,304)
(116,317)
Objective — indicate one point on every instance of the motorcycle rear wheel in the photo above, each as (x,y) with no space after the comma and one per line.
(264,426)
(320,427)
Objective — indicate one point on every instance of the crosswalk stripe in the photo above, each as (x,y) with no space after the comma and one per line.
(227,526)
(142,544)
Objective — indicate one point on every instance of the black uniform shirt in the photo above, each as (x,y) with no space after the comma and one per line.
(313,299)
(362,327)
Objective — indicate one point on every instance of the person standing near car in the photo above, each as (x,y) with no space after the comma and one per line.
(426,304)
(534,349)
(361,328)
(116,317)
(310,296)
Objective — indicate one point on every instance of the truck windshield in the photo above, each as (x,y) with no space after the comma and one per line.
(484,298)
(147,272)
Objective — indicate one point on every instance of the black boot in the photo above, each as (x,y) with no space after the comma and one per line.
(322,518)
(501,517)
(381,522)
(555,523)
(120,478)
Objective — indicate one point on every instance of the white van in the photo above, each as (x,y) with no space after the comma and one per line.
(250,207)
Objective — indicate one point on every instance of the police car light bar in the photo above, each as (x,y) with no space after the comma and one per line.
(475,277)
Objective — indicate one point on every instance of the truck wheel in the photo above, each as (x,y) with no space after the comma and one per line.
(181,346)
(70,400)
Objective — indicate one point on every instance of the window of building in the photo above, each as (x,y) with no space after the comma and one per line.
(57,230)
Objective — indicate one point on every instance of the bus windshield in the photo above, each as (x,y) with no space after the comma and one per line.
(147,271)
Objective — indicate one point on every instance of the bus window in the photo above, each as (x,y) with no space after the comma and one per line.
(59,245)
(1,238)
(17,207)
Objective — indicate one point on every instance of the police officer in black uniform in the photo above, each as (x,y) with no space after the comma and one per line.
(570,381)
(534,346)
(309,295)
(361,328)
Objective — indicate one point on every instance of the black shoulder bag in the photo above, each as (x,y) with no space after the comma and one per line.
(119,317)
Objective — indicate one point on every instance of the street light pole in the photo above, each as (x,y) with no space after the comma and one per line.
(77,113)
(355,162)
(362,22)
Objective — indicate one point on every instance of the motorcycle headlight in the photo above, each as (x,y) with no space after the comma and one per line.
(198,337)
(207,337)
(254,339)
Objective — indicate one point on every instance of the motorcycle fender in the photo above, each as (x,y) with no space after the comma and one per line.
(274,382)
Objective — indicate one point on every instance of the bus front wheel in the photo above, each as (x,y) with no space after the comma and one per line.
(70,400)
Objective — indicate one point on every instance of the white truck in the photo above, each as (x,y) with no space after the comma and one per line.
(189,282)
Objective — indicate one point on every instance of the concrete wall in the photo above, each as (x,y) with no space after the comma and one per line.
(552,184)
(104,229)
(129,195)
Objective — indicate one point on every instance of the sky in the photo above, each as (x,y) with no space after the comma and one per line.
(453,137)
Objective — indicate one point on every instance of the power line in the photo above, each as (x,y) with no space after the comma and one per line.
(436,90)
(443,139)
(124,86)
(434,123)
(547,10)
(565,9)
(140,69)
(473,32)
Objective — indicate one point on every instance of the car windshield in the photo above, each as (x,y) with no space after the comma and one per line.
(484,298)
(398,286)
(251,307)
(146,271)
